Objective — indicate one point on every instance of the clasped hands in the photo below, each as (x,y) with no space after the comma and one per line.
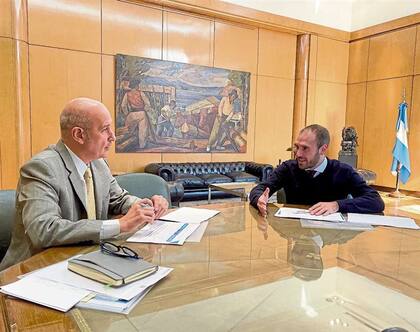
(144,211)
(318,209)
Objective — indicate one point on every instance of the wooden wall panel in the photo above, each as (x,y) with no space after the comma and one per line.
(19,19)
(236,47)
(392,54)
(70,24)
(250,148)
(329,111)
(57,76)
(23,126)
(327,88)
(310,113)
(276,54)
(188,39)
(121,162)
(355,114)
(358,61)
(414,137)
(382,99)
(14,106)
(6,18)
(313,57)
(131,29)
(273,127)
(8,101)
(417,59)
(332,60)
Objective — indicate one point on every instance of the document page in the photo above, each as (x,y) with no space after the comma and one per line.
(190,215)
(285,212)
(45,292)
(198,233)
(164,232)
(372,219)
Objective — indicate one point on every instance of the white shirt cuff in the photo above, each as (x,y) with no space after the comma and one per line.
(110,228)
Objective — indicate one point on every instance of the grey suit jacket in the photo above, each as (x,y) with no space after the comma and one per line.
(51,204)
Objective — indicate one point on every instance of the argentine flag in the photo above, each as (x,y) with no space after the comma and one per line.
(400,152)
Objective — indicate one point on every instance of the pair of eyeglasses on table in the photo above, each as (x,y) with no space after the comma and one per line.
(117,250)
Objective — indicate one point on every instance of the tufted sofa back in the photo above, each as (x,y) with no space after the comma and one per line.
(168,171)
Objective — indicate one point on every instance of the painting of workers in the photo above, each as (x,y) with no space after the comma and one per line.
(166,106)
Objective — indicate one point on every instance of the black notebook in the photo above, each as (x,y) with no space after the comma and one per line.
(111,270)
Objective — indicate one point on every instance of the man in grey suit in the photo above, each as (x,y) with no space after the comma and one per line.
(53,205)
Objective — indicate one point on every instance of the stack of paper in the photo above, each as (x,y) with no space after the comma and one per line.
(56,287)
(45,292)
(285,212)
(184,224)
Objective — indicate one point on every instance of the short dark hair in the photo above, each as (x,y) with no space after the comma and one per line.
(321,134)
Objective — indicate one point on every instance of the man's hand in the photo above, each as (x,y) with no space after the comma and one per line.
(138,215)
(160,205)
(323,208)
(262,202)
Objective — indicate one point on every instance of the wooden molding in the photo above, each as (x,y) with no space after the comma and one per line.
(239,14)
(398,23)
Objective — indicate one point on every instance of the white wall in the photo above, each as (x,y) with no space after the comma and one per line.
(347,15)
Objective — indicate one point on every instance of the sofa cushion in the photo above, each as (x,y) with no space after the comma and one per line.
(215,178)
(242,177)
(190,181)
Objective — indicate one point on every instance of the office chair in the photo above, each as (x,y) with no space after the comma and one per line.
(7,218)
(144,185)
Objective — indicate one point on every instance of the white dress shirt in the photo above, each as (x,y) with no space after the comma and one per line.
(111,227)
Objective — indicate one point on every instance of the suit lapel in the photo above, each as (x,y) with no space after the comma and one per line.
(100,189)
(74,178)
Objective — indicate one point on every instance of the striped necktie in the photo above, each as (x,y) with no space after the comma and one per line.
(90,195)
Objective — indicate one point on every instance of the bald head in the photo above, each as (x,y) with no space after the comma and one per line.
(86,128)
(78,113)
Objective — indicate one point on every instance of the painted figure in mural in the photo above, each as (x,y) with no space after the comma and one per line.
(220,128)
(134,105)
(164,124)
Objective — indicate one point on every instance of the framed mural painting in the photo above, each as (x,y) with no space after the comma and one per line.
(166,106)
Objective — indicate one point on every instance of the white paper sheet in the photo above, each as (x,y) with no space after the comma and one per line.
(410,208)
(285,212)
(164,232)
(305,223)
(106,303)
(198,233)
(45,292)
(372,219)
(190,215)
(59,273)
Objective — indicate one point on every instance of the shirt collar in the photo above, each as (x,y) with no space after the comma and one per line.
(79,163)
(322,166)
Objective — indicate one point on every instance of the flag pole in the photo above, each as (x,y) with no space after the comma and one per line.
(396,193)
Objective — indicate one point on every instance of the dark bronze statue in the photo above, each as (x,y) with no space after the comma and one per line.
(348,152)
(349,139)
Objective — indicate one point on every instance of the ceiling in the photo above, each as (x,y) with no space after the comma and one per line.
(347,15)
